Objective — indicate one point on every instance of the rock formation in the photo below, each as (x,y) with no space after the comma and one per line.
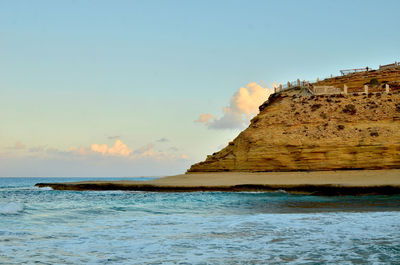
(294,132)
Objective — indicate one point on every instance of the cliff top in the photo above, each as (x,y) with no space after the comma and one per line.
(356,81)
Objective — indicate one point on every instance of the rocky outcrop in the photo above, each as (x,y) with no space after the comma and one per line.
(294,133)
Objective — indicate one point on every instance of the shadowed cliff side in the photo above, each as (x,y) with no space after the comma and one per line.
(306,133)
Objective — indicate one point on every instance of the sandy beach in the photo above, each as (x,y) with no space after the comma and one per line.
(355,182)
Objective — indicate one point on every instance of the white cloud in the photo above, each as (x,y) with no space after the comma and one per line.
(144,151)
(185,157)
(242,107)
(18,146)
(230,120)
(205,118)
(100,148)
(117,160)
(118,149)
(148,152)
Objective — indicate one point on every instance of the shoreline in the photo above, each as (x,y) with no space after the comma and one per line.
(328,183)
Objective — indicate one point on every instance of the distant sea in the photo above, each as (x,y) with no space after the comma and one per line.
(44,226)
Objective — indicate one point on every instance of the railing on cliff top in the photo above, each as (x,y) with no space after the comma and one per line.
(300,83)
(292,84)
(311,89)
(356,70)
(388,66)
(310,85)
(304,83)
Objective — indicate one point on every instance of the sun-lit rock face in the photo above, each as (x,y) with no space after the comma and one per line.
(294,132)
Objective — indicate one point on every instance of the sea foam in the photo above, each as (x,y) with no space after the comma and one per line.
(11,208)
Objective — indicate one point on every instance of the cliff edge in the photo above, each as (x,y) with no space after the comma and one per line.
(296,132)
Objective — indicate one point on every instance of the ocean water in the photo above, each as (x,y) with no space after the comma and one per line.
(44,226)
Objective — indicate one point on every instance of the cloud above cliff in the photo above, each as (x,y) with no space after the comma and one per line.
(205,118)
(243,105)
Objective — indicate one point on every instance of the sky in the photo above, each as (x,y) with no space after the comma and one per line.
(147,88)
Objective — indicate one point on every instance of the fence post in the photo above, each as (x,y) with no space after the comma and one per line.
(298,82)
(387,88)
(317,79)
(280,87)
(345,89)
(366,89)
(288,84)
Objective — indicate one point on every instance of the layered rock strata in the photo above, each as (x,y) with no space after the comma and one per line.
(303,133)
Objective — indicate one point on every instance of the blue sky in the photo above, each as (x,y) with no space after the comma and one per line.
(77,75)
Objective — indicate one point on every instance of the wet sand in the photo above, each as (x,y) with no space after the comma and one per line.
(347,182)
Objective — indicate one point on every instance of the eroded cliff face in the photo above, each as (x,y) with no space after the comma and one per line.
(294,132)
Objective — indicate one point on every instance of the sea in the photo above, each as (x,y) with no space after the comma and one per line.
(45,226)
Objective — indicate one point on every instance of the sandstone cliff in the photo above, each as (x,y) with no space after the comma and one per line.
(294,133)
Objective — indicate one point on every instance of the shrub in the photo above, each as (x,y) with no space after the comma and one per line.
(374,134)
(340,127)
(374,82)
(315,107)
(372,105)
(350,109)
